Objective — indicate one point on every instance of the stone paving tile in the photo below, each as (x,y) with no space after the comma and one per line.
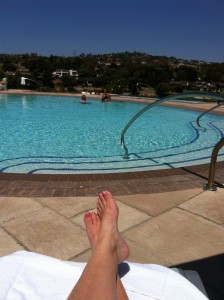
(14,207)
(69,206)
(157,203)
(142,255)
(128,217)
(178,236)
(207,204)
(49,233)
(176,178)
(8,245)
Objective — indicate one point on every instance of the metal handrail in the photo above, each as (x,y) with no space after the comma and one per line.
(215,96)
(210,185)
(207,111)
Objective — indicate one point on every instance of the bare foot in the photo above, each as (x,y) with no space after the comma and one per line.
(92,222)
(108,213)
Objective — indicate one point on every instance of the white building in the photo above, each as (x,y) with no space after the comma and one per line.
(61,73)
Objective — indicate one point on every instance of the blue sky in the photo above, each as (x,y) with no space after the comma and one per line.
(188,29)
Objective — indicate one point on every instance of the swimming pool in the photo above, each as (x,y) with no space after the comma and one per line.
(55,134)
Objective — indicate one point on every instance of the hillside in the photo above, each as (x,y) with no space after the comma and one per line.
(116,72)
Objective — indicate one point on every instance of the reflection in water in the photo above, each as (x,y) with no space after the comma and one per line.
(24,101)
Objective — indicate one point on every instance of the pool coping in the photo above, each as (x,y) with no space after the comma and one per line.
(86,185)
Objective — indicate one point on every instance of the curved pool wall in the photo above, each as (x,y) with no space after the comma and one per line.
(148,149)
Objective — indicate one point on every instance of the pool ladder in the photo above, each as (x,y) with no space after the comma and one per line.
(207,111)
(220,98)
(211,186)
(215,96)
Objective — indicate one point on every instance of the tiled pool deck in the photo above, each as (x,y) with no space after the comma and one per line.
(165,216)
(80,185)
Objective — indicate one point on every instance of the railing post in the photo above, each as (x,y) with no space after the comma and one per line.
(210,185)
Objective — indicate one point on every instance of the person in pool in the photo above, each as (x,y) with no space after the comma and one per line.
(106,96)
(83,99)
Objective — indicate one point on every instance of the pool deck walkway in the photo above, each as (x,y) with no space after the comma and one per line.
(165,216)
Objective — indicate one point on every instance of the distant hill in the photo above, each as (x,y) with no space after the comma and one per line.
(116,72)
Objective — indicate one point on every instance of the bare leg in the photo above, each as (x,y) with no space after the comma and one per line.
(98,280)
(92,222)
(107,206)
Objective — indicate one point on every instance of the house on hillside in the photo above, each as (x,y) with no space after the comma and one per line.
(23,70)
(61,73)
(3,84)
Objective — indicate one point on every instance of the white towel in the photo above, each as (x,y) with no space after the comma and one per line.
(30,276)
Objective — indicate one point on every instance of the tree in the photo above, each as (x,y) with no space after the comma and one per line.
(47,79)
(187,73)
(13,81)
(163,90)
(68,82)
(2,74)
(214,72)
(9,66)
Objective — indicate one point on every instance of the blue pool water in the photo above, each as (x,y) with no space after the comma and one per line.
(55,134)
